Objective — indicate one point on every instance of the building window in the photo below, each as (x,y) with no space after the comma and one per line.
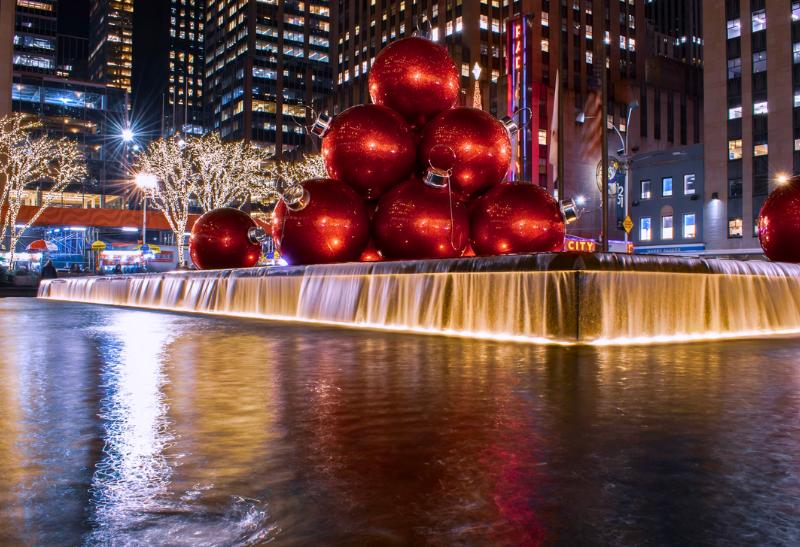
(734,68)
(646,193)
(796,52)
(645,231)
(666,227)
(759,62)
(760,108)
(735,228)
(688,184)
(735,113)
(796,98)
(795,11)
(666,187)
(797,145)
(734,28)
(735,149)
(689,226)
(759,20)
(761,150)
(734,188)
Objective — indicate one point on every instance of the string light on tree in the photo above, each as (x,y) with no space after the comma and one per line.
(224,170)
(29,160)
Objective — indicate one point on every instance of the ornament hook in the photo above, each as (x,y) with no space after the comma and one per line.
(256,234)
(569,210)
(321,125)
(438,176)
(512,125)
(296,197)
(422,27)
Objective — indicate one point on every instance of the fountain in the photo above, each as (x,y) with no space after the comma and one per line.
(561,298)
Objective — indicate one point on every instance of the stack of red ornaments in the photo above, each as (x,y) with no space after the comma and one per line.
(412,176)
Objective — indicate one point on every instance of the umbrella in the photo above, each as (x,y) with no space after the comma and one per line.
(155,249)
(41,246)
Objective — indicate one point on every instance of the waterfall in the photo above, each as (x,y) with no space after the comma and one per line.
(546,298)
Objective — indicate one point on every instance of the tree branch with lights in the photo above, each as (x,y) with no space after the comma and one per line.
(30,161)
(225,170)
(170,162)
(280,175)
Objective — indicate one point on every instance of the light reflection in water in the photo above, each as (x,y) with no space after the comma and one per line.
(228,432)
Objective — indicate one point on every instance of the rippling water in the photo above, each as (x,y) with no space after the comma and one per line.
(134,427)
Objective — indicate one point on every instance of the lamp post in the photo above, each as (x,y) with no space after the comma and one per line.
(145,182)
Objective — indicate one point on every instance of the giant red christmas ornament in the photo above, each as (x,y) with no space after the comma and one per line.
(417,219)
(779,223)
(325,222)
(225,238)
(416,77)
(369,147)
(481,143)
(516,217)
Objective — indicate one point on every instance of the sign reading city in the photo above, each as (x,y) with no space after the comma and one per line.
(580,246)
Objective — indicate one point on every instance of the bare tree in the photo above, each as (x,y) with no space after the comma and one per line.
(225,170)
(30,161)
(170,162)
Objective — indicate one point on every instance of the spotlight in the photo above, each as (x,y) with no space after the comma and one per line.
(127,135)
(580,201)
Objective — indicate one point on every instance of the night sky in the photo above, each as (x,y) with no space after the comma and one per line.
(73,17)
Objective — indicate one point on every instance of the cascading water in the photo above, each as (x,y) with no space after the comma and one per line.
(561,297)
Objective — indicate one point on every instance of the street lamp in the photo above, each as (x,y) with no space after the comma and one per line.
(623,152)
(127,135)
(147,183)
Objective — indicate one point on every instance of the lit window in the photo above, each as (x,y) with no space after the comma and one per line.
(689,226)
(797,145)
(666,227)
(735,228)
(645,231)
(688,184)
(734,68)
(795,11)
(796,99)
(545,44)
(734,28)
(666,186)
(735,113)
(761,149)
(646,193)
(796,52)
(735,149)
(589,57)
(759,20)
(760,108)
(759,62)
(543,137)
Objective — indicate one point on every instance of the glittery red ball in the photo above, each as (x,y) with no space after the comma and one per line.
(414,220)
(515,217)
(220,239)
(371,148)
(779,223)
(332,227)
(481,145)
(416,77)
(370,254)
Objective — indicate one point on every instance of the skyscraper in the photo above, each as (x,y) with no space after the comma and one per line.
(266,61)
(752,121)
(35,40)
(168,66)
(111,42)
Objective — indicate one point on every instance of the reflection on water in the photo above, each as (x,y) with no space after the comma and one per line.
(135,427)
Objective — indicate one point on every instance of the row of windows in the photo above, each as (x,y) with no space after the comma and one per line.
(689,188)
(668,227)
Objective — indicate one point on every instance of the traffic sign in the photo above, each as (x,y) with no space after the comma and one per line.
(627,224)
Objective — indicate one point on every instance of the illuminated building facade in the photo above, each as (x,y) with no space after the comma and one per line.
(265,60)
(111,42)
(35,36)
(168,66)
(89,113)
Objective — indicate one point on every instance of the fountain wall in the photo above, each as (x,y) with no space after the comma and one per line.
(547,298)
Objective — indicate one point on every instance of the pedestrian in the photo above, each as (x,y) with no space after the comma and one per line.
(49,271)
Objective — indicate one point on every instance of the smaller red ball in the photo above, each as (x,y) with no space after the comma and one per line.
(332,227)
(515,217)
(414,221)
(371,148)
(415,77)
(220,239)
(779,223)
(370,254)
(481,145)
